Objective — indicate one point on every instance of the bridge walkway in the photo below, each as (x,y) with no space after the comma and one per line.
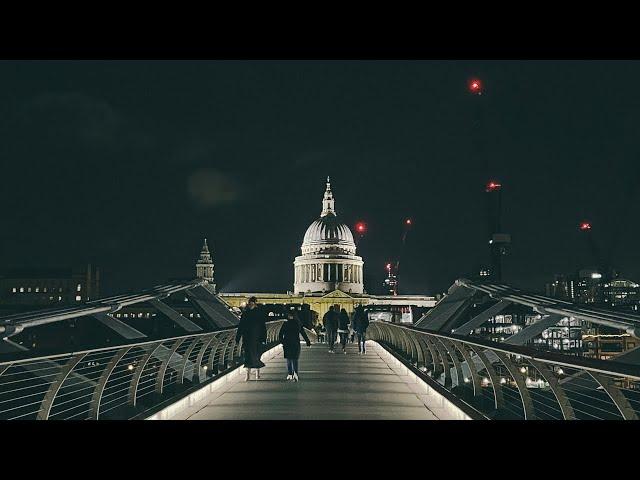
(331,387)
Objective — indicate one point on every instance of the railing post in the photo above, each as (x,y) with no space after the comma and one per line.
(163,367)
(563,401)
(185,358)
(475,378)
(96,398)
(197,375)
(617,397)
(54,388)
(495,381)
(135,379)
(525,396)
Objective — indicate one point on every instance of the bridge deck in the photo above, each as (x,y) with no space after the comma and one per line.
(331,387)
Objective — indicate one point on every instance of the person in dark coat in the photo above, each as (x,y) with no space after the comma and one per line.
(330,321)
(360,325)
(253,332)
(343,329)
(290,337)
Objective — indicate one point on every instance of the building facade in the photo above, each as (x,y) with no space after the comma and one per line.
(328,261)
(48,287)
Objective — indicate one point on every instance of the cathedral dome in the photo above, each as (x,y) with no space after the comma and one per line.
(328,261)
(328,233)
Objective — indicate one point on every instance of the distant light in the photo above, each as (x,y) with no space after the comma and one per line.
(493,185)
(388,266)
(560,371)
(596,275)
(361,227)
(585,226)
(475,86)
(503,380)
(408,221)
(523,369)
(130,367)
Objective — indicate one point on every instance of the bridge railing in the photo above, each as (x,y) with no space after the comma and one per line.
(119,382)
(501,381)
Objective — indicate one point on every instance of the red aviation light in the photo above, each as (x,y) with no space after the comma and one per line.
(389,266)
(475,86)
(361,227)
(492,186)
(585,226)
(408,222)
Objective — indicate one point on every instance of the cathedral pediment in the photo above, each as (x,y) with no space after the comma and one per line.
(337,294)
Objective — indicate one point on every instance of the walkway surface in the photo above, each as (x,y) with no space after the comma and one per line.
(331,387)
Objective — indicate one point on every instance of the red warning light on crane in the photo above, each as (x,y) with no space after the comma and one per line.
(408,222)
(475,86)
(361,227)
(492,186)
(585,226)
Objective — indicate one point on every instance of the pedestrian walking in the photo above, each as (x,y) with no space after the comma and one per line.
(330,321)
(360,325)
(343,329)
(253,332)
(290,337)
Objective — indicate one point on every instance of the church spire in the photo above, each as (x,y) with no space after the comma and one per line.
(328,206)
(204,265)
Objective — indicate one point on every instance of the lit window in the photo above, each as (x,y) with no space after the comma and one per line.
(14,290)
(29,290)
(44,289)
(59,298)
(37,289)
(60,289)
(78,288)
(78,298)
(21,289)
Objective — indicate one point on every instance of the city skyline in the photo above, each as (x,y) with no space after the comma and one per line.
(130,166)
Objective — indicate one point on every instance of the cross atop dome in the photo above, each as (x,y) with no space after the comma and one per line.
(328,205)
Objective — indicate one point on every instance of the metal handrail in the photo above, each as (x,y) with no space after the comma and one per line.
(599,366)
(118,382)
(507,381)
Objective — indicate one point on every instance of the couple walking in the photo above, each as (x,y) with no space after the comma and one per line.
(337,321)
(253,332)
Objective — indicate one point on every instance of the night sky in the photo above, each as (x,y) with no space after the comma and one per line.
(128,165)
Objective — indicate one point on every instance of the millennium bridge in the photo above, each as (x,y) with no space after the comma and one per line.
(436,369)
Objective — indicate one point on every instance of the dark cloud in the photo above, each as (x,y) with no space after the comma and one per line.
(209,187)
(65,117)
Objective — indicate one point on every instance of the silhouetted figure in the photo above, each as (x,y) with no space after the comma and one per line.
(253,332)
(330,321)
(360,325)
(290,337)
(343,329)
